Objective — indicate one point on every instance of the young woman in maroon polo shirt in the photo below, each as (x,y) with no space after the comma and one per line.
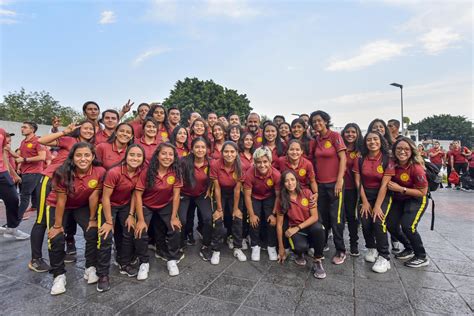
(330,162)
(372,173)
(353,140)
(380,126)
(119,183)
(262,189)
(284,129)
(77,189)
(110,120)
(436,156)
(295,161)
(272,140)
(64,141)
(458,159)
(410,187)
(233,133)
(246,149)
(227,177)
(113,151)
(158,112)
(157,195)
(195,170)
(298,131)
(148,138)
(137,123)
(303,228)
(219,136)
(199,129)
(179,138)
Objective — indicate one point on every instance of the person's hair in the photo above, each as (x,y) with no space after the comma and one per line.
(84,107)
(278,143)
(33,125)
(279,116)
(143,104)
(305,140)
(174,135)
(359,139)
(285,200)
(109,111)
(237,163)
(165,123)
(387,135)
(124,159)
(262,152)
(324,115)
(65,173)
(77,132)
(394,122)
(191,130)
(173,108)
(113,137)
(211,112)
(232,127)
(253,114)
(222,126)
(285,123)
(155,165)
(187,164)
(266,122)
(149,119)
(415,157)
(241,142)
(384,147)
(232,114)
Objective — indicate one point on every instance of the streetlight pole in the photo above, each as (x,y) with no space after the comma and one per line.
(401,102)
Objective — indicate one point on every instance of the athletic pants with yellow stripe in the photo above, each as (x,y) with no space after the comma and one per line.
(375,233)
(331,210)
(407,213)
(39,228)
(310,237)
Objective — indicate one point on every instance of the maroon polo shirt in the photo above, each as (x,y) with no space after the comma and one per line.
(227,179)
(123,185)
(101,137)
(64,144)
(438,158)
(31,148)
(161,194)
(327,160)
(351,158)
(299,210)
(245,162)
(201,181)
(373,172)
(304,170)
(262,186)
(109,155)
(412,176)
(3,143)
(137,126)
(149,148)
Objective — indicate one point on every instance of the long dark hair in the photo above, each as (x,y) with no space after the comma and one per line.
(359,140)
(237,127)
(77,132)
(237,163)
(415,157)
(165,123)
(155,164)
(174,134)
(384,148)
(278,143)
(113,137)
(285,200)
(387,135)
(187,164)
(324,115)
(65,173)
(241,142)
(304,138)
(191,131)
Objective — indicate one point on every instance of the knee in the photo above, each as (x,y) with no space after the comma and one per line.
(91,234)
(407,229)
(57,242)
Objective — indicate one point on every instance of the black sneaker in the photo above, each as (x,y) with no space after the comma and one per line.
(354,252)
(103,284)
(38,265)
(71,248)
(395,247)
(205,253)
(416,262)
(161,255)
(190,239)
(128,270)
(405,254)
(70,258)
(300,260)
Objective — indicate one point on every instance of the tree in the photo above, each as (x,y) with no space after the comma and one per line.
(194,95)
(445,127)
(38,107)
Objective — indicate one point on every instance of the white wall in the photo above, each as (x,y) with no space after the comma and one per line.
(15,127)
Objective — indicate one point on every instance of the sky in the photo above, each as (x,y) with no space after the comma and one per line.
(286,56)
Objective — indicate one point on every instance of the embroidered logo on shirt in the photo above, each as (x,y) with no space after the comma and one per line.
(302,172)
(327,144)
(164,134)
(206,170)
(259,139)
(353,155)
(404,177)
(170,180)
(304,202)
(270,182)
(185,153)
(29,145)
(380,169)
(92,183)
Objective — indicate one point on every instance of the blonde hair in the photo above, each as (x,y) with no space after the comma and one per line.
(261,152)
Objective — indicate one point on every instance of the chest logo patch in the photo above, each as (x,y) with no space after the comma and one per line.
(170,180)
(327,144)
(353,155)
(259,139)
(29,145)
(302,172)
(185,153)
(206,170)
(304,202)
(404,177)
(92,184)
(164,134)
(380,169)
(270,182)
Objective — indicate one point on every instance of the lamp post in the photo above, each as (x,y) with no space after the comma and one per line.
(401,101)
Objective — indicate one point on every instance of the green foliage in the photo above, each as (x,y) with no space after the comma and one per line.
(445,127)
(38,107)
(194,95)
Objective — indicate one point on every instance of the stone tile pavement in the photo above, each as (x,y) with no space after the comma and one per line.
(446,286)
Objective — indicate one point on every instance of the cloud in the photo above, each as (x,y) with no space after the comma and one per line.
(7,16)
(438,40)
(8,13)
(368,55)
(148,54)
(163,10)
(230,8)
(107,17)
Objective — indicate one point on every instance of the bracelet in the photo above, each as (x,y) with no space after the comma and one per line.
(92,219)
(111,224)
(57,227)
(130,214)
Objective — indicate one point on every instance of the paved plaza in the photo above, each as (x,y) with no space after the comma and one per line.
(446,286)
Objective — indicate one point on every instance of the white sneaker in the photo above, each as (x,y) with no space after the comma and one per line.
(172,268)
(59,285)
(91,275)
(245,244)
(216,257)
(311,252)
(381,265)
(143,271)
(3,229)
(15,233)
(230,242)
(240,255)
(371,255)
(255,253)
(272,253)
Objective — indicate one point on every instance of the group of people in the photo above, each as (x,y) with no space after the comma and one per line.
(274,186)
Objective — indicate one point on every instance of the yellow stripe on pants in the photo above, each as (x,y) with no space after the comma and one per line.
(44,185)
(99,223)
(47,225)
(292,245)
(418,215)
(384,226)
(339,209)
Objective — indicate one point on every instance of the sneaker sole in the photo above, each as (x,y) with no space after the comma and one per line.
(405,257)
(30,266)
(203,258)
(357,254)
(160,257)
(128,274)
(102,290)
(424,264)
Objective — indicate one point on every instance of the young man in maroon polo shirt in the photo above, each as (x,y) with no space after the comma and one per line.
(137,123)
(110,120)
(174,117)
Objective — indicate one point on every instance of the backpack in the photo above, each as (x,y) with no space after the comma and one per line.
(432,175)
(467,182)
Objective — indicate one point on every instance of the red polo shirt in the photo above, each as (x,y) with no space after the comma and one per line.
(201,176)
(215,153)
(3,144)
(412,176)
(458,156)
(83,188)
(304,170)
(31,148)
(372,171)
(109,155)
(327,160)
(161,194)
(65,144)
(262,186)
(299,208)
(227,179)
(471,161)
(123,185)
(101,137)
(351,157)
(149,148)
(137,127)
(162,135)
(245,162)
(438,158)
(258,139)
(182,152)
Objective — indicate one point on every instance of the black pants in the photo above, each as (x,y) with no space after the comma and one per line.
(167,239)
(448,170)
(350,208)
(29,183)
(9,195)
(212,231)
(461,168)
(56,245)
(263,209)
(375,233)
(408,213)
(39,227)
(310,237)
(232,225)
(141,244)
(332,215)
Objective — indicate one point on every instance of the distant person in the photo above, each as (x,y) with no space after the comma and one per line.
(234,119)
(174,117)
(278,119)
(436,156)
(394,128)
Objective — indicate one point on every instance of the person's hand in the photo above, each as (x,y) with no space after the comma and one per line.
(175,223)
(105,229)
(19,159)
(16,179)
(393,186)
(127,106)
(140,227)
(130,223)
(272,220)
(71,128)
(218,214)
(208,193)
(254,220)
(53,232)
(365,210)
(378,214)
(338,187)
(291,231)
(92,224)
(313,200)
(281,255)
(237,213)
